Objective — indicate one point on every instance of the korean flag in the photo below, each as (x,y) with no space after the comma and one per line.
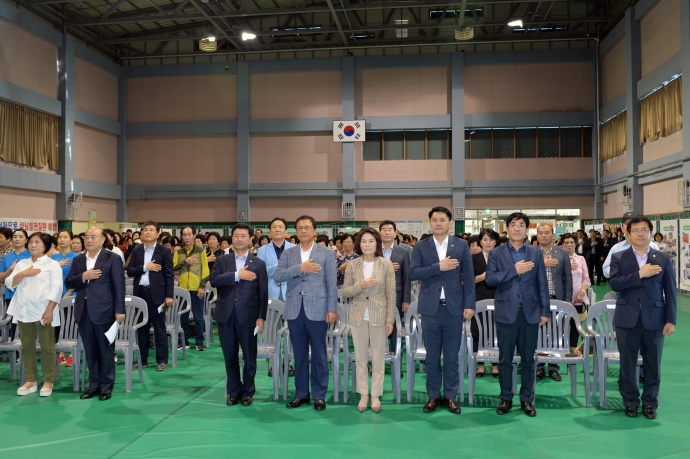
(349,131)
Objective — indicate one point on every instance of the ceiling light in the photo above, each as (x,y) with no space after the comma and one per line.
(515,23)
(248,36)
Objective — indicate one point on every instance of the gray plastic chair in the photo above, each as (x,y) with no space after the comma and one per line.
(129,290)
(600,324)
(394,358)
(553,344)
(182,304)
(14,350)
(209,304)
(69,339)
(129,281)
(610,296)
(487,349)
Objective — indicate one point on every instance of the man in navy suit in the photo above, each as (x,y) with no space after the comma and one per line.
(645,312)
(151,266)
(242,284)
(98,278)
(447,296)
(521,305)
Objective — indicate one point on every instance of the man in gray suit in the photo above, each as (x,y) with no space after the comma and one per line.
(560,279)
(310,304)
(400,257)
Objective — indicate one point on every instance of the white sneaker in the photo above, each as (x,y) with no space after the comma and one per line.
(27,390)
(180,348)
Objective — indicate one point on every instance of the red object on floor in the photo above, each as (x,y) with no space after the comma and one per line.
(63,359)
(68,363)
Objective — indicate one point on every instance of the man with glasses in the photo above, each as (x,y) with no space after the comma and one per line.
(623,245)
(309,270)
(645,313)
(399,255)
(521,307)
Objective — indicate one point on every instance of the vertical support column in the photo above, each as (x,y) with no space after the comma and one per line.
(66,134)
(348,69)
(685,69)
(243,141)
(122,94)
(596,164)
(457,121)
(633,74)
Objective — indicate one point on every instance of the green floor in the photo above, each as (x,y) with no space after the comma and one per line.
(182,413)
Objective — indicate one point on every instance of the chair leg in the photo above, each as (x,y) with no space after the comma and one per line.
(588,400)
(346,371)
(603,369)
(128,370)
(472,381)
(13,364)
(141,371)
(411,366)
(572,369)
(336,378)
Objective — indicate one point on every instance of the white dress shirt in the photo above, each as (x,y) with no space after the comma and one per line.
(368,271)
(441,249)
(306,256)
(33,293)
(91,262)
(148,256)
(239,264)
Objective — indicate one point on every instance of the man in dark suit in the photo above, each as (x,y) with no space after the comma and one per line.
(593,250)
(151,266)
(242,283)
(444,265)
(559,277)
(645,312)
(98,278)
(521,306)
(400,257)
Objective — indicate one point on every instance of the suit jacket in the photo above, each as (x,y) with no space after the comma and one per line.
(249,298)
(598,249)
(161,283)
(457,284)
(530,289)
(562,275)
(106,295)
(484,291)
(605,250)
(653,297)
(380,299)
(268,254)
(318,292)
(403,284)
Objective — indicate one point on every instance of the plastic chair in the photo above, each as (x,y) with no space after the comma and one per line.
(553,345)
(600,324)
(394,358)
(129,281)
(69,339)
(129,290)
(487,349)
(182,304)
(209,304)
(14,350)
(610,296)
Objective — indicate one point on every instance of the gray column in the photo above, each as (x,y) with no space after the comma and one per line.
(596,164)
(243,141)
(685,71)
(122,214)
(349,147)
(633,74)
(457,121)
(66,134)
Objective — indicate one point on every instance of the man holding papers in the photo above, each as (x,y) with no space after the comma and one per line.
(98,278)
(242,284)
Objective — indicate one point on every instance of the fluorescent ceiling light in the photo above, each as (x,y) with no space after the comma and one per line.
(248,36)
(515,23)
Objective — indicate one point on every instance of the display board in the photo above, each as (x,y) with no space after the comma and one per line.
(669,229)
(30,225)
(684,241)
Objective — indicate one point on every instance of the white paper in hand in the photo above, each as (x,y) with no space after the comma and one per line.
(111,334)
(256,330)
(160,308)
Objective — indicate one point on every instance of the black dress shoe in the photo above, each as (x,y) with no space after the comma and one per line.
(528,408)
(105,395)
(89,394)
(319,405)
(297,402)
(432,404)
(246,401)
(641,379)
(553,374)
(291,371)
(631,411)
(452,405)
(270,372)
(540,374)
(649,412)
(232,401)
(504,406)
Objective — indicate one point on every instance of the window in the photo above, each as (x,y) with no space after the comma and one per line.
(525,142)
(587,141)
(547,141)
(467,144)
(480,144)
(371,150)
(543,142)
(437,142)
(504,143)
(571,142)
(401,33)
(393,145)
(415,144)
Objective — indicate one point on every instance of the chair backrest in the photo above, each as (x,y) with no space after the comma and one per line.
(409,314)
(555,334)
(181,305)
(136,313)
(591,295)
(129,290)
(610,296)
(210,297)
(129,281)
(484,313)
(413,325)
(68,323)
(600,321)
(342,320)
(273,322)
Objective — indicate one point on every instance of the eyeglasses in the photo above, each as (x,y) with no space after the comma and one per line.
(639,231)
(518,225)
(304,228)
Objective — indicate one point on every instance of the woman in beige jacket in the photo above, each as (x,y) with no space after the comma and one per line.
(370,282)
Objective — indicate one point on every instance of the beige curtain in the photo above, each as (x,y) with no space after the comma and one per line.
(613,136)
(27,136)
(661,112)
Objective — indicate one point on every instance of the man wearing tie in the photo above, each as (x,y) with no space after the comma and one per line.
(645,312)
(151,266)
(98,278)
(309,270)
(400,257)
(241,308)
(521,305)
(447,296)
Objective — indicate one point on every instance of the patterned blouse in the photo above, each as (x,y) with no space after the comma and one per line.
(339,262)
(580,277)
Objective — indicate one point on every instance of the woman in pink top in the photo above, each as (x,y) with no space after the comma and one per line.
(580,284)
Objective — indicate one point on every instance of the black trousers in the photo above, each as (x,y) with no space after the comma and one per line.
(525,335)
(234,335)
(157,320)
(631,343)
(99,353)
(594,265)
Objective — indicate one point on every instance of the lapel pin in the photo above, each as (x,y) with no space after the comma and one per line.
(452,245)
(653,256)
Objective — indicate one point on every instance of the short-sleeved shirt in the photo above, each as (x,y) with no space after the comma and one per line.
(7,261)
(65,269)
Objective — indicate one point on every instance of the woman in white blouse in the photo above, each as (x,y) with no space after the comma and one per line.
(581,282)
(37,282)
